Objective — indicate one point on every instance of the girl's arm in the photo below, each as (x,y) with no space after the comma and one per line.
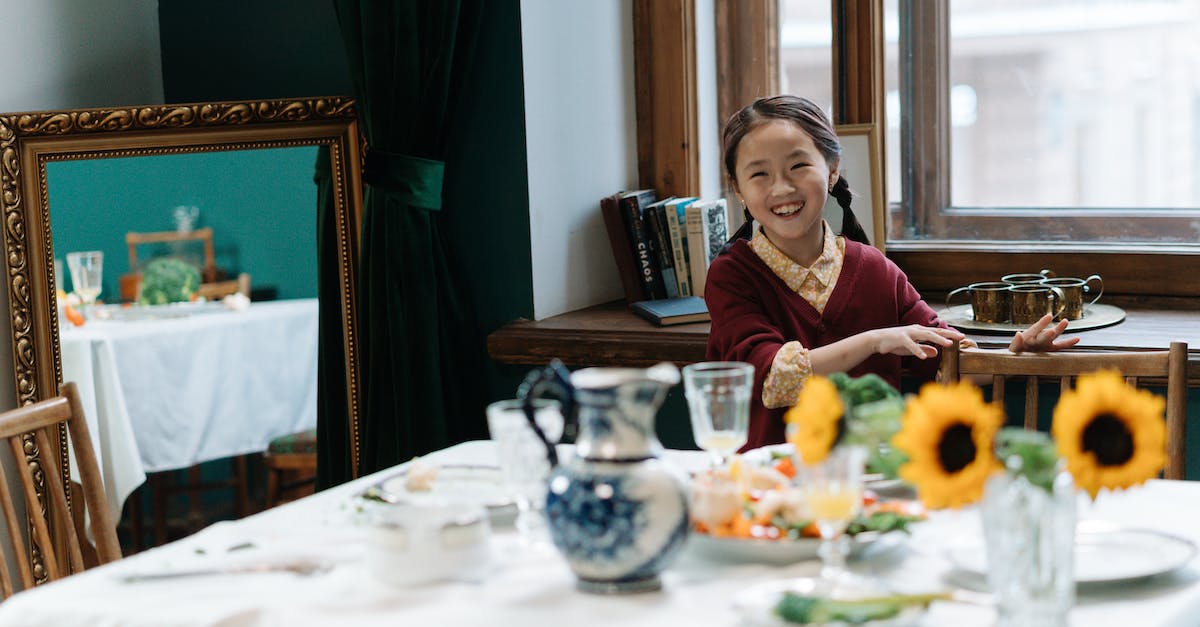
(912,339)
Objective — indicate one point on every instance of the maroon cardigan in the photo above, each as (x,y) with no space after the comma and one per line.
(754,313)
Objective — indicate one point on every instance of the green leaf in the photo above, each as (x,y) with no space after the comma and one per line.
(1029,454)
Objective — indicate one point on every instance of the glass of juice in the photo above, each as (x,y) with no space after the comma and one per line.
(718,395)
(833,491)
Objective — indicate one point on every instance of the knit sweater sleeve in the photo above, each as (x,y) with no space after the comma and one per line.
(913,309)
(742,328)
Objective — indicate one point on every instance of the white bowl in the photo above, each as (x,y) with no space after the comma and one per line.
(411,544)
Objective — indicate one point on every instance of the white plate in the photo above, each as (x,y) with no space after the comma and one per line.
(756,605)
(461,483)
(1104,553)
(875,482)
(783,552)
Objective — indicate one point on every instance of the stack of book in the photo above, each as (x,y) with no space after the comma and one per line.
(663,247)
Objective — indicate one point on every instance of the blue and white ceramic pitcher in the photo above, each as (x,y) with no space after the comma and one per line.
(615,510)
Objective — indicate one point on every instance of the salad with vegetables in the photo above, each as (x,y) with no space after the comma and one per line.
(761,501)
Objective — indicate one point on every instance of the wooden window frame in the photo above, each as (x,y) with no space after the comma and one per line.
(994,245)
(973,243)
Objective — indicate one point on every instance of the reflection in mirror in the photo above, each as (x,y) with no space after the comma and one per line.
(170,385)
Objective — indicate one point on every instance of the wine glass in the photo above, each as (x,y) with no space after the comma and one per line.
(86,270)
(833,490)
(718,395)
(524,467)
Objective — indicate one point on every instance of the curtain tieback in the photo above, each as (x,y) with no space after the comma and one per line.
(416,181)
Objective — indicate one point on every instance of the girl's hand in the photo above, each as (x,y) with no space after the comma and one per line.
(915,340)
(1042,338)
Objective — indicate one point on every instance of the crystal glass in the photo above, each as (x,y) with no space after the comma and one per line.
(522,458)
(833,490)
(86,271)
(718,395)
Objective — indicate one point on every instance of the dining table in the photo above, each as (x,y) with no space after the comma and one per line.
(528,583)
(171,386)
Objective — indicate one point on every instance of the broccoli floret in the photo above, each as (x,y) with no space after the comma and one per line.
(168,280)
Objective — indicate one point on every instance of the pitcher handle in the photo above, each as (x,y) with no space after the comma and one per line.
(1060,298)
(556,380)
(956,291)
(1088,289)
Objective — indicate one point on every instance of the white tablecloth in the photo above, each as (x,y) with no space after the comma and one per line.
(162,394)
(524,588)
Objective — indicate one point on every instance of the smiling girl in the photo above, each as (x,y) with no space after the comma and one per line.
(793,298)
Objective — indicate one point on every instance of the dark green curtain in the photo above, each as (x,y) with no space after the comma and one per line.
(333,417)
(422,352)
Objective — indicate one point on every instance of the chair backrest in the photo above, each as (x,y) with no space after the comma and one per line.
(1138,367)
(42,420)
(207,274)
(220,289)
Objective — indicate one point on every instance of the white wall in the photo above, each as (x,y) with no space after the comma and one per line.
(581,139)
(69,54)
(75,54)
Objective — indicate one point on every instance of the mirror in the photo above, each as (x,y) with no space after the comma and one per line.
(43,156)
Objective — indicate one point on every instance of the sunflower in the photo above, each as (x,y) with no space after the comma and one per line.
(816,420)
(1111,434)
(947,432)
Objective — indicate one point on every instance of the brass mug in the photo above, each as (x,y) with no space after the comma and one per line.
(1073,290)
(1032,301)
(1025,278)
(990,300)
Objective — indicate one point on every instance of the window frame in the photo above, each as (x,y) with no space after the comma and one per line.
(1138,270)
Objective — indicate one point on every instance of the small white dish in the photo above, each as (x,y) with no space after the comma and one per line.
(454,483)
(1104,553)
(412,543)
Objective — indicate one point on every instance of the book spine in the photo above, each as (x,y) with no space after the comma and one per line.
(716,229)
(618,238)
(661,242)
(682,279)
(697,248)
(639,238)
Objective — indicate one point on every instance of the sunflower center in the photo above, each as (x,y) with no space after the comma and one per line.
(956,449)
(1109,439)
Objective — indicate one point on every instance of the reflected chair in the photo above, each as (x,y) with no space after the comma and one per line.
(291,463)
(70,551)
(211,287)
(1160,367)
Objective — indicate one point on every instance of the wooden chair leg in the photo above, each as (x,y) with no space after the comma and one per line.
(240,487)
(273,483)
(134,506)
(160,509)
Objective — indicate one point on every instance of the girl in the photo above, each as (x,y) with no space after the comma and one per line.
(794,299)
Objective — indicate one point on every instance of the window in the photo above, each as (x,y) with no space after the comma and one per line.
(1046,120)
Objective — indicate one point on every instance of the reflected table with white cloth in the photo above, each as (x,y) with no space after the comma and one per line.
(531,587)
(173,386)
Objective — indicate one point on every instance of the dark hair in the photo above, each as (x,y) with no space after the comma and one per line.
(811,119)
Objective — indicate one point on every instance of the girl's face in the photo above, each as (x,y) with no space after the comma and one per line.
(784,180)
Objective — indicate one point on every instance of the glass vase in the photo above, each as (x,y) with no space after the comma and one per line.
(1030,539)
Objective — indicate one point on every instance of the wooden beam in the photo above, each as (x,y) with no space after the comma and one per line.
(664,34)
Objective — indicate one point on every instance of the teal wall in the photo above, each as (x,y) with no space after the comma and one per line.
(261,205)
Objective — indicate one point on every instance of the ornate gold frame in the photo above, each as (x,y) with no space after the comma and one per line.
(28,141)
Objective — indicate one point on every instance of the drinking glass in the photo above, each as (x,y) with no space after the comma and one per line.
(86,269)
(718,395)
(833,490)
(524,468)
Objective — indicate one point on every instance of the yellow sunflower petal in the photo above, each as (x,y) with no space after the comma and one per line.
(813,420)
(1140,413)
(927,420)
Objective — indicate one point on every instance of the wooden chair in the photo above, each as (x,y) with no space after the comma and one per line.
(42,419)
(1169,366)
(290,455)
(211,285)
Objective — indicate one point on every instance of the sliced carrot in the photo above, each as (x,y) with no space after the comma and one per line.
(73,315)
(786,467)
